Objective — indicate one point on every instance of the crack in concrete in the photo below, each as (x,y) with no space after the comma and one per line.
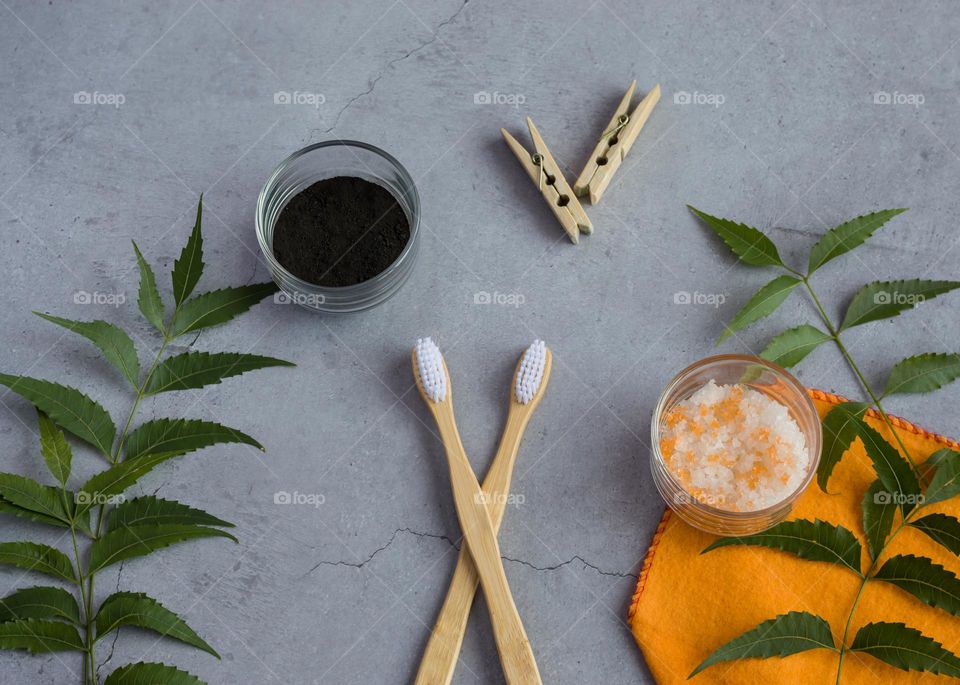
(376,79)
(456,545)
(116,632)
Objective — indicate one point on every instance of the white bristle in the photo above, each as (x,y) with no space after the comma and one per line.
(433,378)
(530,374)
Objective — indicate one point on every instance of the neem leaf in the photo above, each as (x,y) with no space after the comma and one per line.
(840,427)
(11,508)
(879,510)
(136,541)
(197,369)
(116,345)
(31,556)
(181,436)
(39,602)
(790,347)
(39,637)
(929,582)
(946,476)
(763,303)
(142,611)
(923,373)
(843,238)
(748,243)
(942,528)
(189,267)
(68,407)
(28,494)
(150,673)
(151,306)
(791,633)
(905,648)
(893,470)
(152,510)
(218,306)
(812,540)
(883,299)
(54,448)
(114,480)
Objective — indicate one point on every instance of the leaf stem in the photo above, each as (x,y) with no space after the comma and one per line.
(835,334)
(88,656)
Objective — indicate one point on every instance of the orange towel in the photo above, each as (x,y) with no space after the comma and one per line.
(687,604)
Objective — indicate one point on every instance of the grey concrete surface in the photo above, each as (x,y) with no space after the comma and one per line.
(782,131)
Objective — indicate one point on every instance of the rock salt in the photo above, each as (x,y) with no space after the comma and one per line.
(734,448)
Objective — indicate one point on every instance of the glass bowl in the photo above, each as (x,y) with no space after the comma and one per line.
(326,160)
(760,375)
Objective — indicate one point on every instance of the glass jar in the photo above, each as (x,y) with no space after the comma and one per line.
(760,375)
(326,160)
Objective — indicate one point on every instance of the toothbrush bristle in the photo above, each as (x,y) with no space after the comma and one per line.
(530,374)
(433,378)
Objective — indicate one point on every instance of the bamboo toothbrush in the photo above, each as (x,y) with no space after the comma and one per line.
(516,656)
(529,382)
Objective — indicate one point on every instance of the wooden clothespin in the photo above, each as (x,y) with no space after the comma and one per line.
(547,176)
(614,144)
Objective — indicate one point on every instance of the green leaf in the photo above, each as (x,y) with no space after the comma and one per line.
(68,407)
(39,602)
(151,674)
(790,347)
(929,582)
(878,514)
(923,373)
(31,556)
(905,648)
(55,448)
(137,609)
(883,299)
(151,306)
(946,476)
(891,467)
(791,633)
(114,480)
(218,306)
(763,303)
(197,369)
(748,243)
(813,540)
(136,541)
(840,429)
(188,269)
(28,494)
(843,238)
(116,345)
(942,528)
(11,508)
(152,510)
(182,436)
(39,637)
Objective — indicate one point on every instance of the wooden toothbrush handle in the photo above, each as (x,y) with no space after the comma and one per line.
(516,655)
(443,649)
